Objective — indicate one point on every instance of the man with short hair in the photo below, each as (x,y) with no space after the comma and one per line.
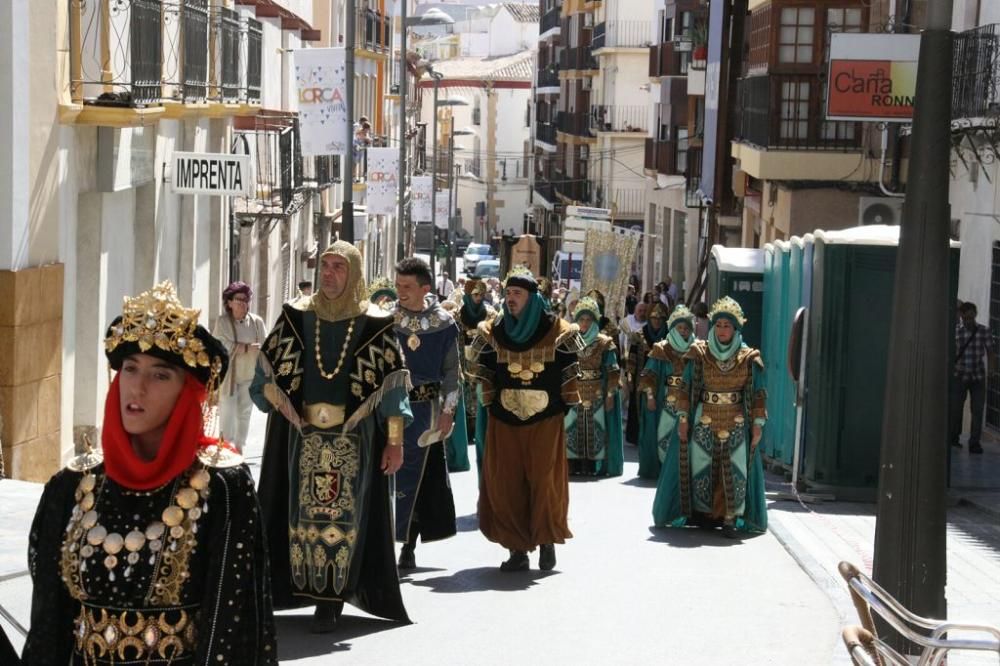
(972,343)
(526,364)
(332,378)
(428,336)
(444,286)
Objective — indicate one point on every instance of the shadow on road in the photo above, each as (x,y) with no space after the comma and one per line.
(483,579)
(296,642)
(695,537)
(469,523)
(639,482)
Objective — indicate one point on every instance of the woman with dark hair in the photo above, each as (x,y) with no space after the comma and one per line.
(128,564)
(242,333)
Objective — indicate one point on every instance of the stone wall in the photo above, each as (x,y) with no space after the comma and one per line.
(31,303)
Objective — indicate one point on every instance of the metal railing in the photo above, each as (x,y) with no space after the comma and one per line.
(550,19)
(326,170)
(505,169)
(254,36)
(577,57)
(278,179)
(545,189)
(548,77)
(619,118)
(546,132)
(116,52)
(976,67)
(784,112)
(574,189)
(691,197)
(373,30)
(621,34)
(185,50)
(226,56)
(577,123)
(627,201)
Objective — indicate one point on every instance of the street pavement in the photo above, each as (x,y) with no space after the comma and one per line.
(622,592)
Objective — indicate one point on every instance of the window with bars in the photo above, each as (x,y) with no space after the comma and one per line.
(682,150)
(796,35)
(838,20)
(794,120)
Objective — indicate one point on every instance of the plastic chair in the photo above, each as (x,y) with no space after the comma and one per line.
(868,596)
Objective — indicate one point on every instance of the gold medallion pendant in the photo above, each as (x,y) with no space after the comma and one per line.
(413,342)
(515,368)
(537,368)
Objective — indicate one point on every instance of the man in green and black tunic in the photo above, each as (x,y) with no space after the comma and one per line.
(333,379)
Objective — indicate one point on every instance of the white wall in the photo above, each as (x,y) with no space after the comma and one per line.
(975,204)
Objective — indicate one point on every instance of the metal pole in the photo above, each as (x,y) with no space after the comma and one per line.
(402,229)
(910,558)
(451,215)
(434,178)
(347,212)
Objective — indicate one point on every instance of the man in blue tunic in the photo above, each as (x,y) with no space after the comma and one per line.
(428,337)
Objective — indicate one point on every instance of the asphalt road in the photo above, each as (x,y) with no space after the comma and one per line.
(622,593)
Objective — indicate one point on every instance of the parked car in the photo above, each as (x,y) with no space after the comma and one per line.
(462,241)
(487,268)
(475,253)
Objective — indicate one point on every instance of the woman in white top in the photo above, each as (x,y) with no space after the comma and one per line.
(242,333)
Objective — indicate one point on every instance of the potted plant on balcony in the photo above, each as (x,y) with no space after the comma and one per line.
(699,41)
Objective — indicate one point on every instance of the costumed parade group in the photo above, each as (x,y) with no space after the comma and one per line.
(156,548)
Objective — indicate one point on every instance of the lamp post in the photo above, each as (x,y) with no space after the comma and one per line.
(347,212)
(454,100)
(451,180)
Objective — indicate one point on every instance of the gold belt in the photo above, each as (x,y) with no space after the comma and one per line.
(323,415)
(675,380)
(590,375)
(524,403)
(133,636)
(722,397)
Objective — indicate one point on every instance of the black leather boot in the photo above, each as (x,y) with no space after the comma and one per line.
(547,556)
(407,559)
(518,561)
(325,617)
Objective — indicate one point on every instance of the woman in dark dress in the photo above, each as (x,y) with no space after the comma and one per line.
(152,553)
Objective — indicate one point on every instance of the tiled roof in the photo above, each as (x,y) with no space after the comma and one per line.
(517,67)
(522,12)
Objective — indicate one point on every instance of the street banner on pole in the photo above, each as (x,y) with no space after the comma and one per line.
(383,163)
(420,195)
(441,214)
(321,82)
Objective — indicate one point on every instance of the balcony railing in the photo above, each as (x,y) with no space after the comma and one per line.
(621,34)
(664,60)
(116,52)
(545,189)
(226,40)
(373,30)
(548,77)
(546,132)
(574,189)
(627,201)
(577,123)
(185,46)
(253,38)
(577,57)
(505,169)
(619,118)
(691,197)
(784,112)
(550,19)
(976,67)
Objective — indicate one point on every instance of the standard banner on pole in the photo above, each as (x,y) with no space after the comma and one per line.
(321,81)
(441,212)
(420,195)
(383,163)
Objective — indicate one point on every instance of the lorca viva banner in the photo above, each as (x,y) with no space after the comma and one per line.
(872,77)
(321,82)
(420,192)
(383,173)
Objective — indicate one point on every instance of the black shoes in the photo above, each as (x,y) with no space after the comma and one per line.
(730,532)
(407,560)
(975,448)
(325,617)
(546,557)
(518,561)
(956,445)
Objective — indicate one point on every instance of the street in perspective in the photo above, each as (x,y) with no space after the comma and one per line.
(455,332)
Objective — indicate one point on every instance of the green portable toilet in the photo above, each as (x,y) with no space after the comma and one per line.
(738,272)
(774,340)
(848,344)
(796,285)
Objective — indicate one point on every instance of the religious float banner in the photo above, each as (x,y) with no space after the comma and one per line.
(383,172)
(607,258)
(872,77)
(321,83)
(420,197)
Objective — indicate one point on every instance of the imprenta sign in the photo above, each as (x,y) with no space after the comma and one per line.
(211,173)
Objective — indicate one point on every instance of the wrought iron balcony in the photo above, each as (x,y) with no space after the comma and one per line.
(621,34)
(691,197)
(577,57)
(185,59)
(253,39)
(577,123)
(226,56)
(574,189)
(550,19)
(546,132)
(548,77)
(619,118)
(116,52)
(976,67)
(373,30)
(545,189)
(784,112)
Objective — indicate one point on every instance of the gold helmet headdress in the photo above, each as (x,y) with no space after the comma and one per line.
(587,305)
(382,286)
(520,276)
(728,308)
(680,313)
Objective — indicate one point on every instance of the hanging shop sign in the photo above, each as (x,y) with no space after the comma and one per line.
(872,77)
(217,174)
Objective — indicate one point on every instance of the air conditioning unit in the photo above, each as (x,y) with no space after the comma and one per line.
(586,83)
(588,20)
(880,210)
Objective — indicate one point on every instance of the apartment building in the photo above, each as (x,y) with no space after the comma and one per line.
(99,97)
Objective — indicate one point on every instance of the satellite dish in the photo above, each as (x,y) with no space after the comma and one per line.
(880,213)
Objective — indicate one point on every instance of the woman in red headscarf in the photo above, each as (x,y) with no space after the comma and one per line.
(151,551)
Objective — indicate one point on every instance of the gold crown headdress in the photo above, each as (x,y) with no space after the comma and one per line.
(659,310)
(475,286)
(680,313)
(156,323)
(587,304)
(727,307)
(381,284)
(521,276)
